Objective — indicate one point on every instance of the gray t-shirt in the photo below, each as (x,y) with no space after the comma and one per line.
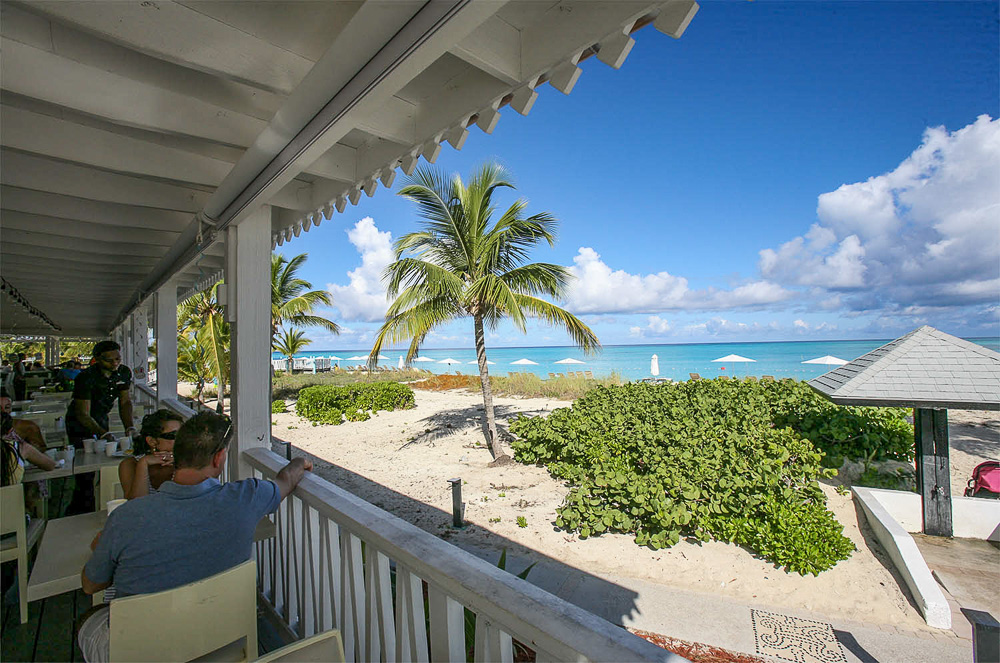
(180,534)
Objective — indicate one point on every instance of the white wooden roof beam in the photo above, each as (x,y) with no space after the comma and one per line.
(49,136)
(66,264)
(47,225)
(47,204)
(37,31)
(178,34)
(58,243)
(494,47)
(34,172)
(42,75)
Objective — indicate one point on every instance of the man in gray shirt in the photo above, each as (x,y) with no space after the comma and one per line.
(192,528)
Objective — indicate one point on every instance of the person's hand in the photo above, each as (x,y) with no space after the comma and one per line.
(131,431)
(109,436)
(158,458)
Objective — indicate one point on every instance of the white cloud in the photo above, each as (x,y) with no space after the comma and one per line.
(363,298)
(655,326)
(600,289)
(926,233)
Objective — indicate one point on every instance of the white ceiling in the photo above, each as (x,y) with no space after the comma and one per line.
(122,123)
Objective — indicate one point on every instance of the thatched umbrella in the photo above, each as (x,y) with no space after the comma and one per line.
(929,371)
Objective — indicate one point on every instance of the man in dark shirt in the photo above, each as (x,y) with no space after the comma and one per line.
(95,391)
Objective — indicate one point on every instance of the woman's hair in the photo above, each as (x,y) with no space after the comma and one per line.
(9,454)
(152,426)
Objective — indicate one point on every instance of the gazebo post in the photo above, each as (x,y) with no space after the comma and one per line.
(930,428)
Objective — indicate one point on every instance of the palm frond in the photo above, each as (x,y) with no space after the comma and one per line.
(581,334)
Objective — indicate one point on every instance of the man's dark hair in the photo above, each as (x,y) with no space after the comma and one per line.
(200,438)
(105,346)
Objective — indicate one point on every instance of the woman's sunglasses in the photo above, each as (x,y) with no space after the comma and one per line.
(172,435)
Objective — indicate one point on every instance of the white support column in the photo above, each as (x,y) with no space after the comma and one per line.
(49,343)
(138,342)
(248,309)
(166,342)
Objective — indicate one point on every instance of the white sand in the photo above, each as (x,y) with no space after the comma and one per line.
(401,461)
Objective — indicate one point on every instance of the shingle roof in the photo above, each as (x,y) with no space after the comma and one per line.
(926,368)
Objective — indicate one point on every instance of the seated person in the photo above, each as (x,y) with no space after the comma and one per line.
(25,428)
(68,372)
(15,451)
(153,459)
(193,527)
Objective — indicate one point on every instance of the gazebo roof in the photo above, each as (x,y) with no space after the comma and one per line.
(927,368)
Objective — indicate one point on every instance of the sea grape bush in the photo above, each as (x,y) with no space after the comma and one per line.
(707,459)
(278,406)
(329,404)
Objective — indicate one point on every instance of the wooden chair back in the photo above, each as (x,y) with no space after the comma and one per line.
(190,621)
(111,487)
(12,522)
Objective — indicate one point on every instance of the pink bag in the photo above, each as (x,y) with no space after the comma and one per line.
(985,481)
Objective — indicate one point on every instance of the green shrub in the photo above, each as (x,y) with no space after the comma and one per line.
(278,406)
(701,459)
(330,404)
(287,385)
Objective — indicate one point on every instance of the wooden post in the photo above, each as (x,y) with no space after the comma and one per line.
(138,331)
(166,341)
(248,309)
(933,476)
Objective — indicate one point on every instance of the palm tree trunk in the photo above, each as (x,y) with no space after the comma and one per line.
(489,419)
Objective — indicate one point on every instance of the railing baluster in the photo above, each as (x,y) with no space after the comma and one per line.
(411,624)
(353,597)
(310,543)
(281,563)
(447,626)
(294,616)
(506,645)
(380,631)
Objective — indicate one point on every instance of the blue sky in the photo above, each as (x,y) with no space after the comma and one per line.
(784,171)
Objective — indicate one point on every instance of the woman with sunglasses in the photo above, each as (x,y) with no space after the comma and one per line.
(153,462)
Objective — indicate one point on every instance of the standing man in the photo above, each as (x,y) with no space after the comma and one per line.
(193,527)
(95,391)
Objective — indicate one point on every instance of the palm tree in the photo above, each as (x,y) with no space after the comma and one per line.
(203,317)
(192,362)
(291,342)
(464,264)
(292,301)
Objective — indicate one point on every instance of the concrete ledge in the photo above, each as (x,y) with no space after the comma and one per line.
(972,517)
(909,562)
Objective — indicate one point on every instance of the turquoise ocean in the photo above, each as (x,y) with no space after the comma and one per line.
(632,362)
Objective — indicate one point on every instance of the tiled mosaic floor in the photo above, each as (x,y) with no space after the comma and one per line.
(795,639)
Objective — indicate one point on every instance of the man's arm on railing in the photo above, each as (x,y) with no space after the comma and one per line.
(291,474)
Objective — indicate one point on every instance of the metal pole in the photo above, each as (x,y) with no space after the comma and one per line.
(985,635)
(456,502)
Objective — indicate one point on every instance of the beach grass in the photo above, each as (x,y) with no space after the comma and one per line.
(287,386)
(525,385)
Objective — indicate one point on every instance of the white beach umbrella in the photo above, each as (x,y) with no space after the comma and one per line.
(400,364)
(827,360)
(334,358)
(476,361)
(449,361)
(733,359)
(422,359)
(358,358)
(569,360)
(654,365)
(525,362)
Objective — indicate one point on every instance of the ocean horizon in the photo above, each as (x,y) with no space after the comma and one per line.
(632,362)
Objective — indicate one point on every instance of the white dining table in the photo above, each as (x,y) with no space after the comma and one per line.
(64,549)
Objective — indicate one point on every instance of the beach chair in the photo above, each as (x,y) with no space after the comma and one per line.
(767,377)
(17,547)
(552,376)
(561,375)
(589,375)
(723,377)
(694,376)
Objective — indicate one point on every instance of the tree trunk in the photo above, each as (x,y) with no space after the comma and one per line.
(489,420)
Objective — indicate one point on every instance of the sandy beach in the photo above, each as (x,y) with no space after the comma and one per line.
(401,461)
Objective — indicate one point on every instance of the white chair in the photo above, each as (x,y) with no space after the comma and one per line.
(111,487)
(189,621)
(325,647)
(17,546)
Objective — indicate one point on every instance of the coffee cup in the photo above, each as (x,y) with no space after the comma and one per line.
(100,445)
(114,504)
(111,448)
(125,442)
(67,454)
(88,445)
(52,453)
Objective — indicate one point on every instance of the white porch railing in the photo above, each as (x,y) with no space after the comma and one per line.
(332,562)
